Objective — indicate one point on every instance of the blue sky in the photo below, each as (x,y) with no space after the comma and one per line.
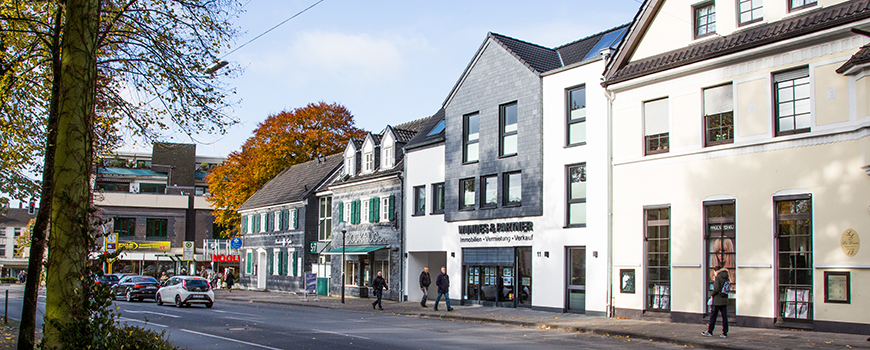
(387,61)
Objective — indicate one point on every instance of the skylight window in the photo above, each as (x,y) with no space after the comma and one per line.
(609,40)
(437,129)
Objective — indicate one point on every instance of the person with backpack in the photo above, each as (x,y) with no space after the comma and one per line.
(721,288)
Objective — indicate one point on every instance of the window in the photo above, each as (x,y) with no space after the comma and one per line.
(799,4)
(420,200)
(388,157)
(719,115)
(721,242)
(792,91)
(347,212)
(324,225)
(387,209)
(351,272)
(438,198)
(365,210)
(156,227)
(576,195)
(577,116)
(655,124)
(658,247)
(489,192)
(794,261)
(705,19)
(125,227)
(152,188)
(471,141)
(370,162)
(508,118)
(245,224)
(513,189)
(466,194)
(750,11)
(275,258)
(437,129)
(112,186)
(348,166)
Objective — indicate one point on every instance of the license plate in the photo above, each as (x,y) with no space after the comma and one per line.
(198,297)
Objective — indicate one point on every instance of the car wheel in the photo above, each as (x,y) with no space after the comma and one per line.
(158,300)
(178,302)
(129,296)
(209,305)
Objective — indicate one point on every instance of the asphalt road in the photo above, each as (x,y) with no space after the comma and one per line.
(235,325)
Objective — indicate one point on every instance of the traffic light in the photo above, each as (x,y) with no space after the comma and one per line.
(31,208)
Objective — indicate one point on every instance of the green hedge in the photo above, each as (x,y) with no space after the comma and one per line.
(8,280)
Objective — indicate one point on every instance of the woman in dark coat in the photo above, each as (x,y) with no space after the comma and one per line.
(720,302)
(230,279)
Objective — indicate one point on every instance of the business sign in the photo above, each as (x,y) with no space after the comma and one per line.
(497,232)
(311,281)
(187,254)
(236,243)
(145,245)
(111,242)
(226,258)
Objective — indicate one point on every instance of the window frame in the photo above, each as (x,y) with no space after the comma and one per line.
(806,4)
(660,136)
(696,9)
(119,221)
(436,209)
(706,121)
(149,227)
(569,122)
(369,161)
(484,188)
(778,269)
(387,160)
(385,208)
(647,267)
(324,218)
(419,194)
(776,102)
(740,22)
(465,138)
(462,204)
(506,187)
(503,134)
(568,199)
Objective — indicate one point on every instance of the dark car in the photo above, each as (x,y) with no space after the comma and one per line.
(136,288)
(108,280)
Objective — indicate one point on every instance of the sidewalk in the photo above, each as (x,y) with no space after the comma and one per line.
(676,333)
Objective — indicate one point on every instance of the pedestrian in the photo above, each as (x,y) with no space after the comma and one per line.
(719,302)
(163,277)
(203,272)
(379,284)
(22,277)
(424,285)
(443,283)
(230,279)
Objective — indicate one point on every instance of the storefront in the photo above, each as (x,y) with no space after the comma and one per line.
(497,276)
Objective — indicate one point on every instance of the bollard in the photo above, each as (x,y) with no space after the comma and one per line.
(6,307)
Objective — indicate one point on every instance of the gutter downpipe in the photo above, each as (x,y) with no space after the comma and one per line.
(610,98)
(401,222)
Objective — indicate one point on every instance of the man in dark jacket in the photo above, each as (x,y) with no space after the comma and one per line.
(443,283)
(720,302)
(379,284)
(424,285)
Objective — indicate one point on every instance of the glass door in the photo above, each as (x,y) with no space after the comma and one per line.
(577,280)
(721,248)
(524,276)
(794,243)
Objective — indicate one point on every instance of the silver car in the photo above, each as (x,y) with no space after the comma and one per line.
(185,290)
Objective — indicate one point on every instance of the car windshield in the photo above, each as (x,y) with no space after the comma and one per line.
(143,279)
(112,278)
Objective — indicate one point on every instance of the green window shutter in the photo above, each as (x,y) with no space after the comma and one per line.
(248,264)
(295,260)
(371,210)
(280,263)
(354,212)
(270,263)
(377,209)
(392,207)
(295,218)
(340,212)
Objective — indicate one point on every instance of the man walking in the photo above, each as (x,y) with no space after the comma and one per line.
(379,284)
(443,283)
(424,285)
(720,302)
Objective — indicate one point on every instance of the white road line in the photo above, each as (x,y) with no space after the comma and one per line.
(229,339)
(151,312)
(148,323)
(342,334)
(235,313)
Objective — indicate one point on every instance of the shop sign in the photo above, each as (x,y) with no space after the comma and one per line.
(147,245)
(225,258)
(850,242)
(492,232)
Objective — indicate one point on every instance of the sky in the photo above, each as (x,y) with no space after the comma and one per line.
(387,61)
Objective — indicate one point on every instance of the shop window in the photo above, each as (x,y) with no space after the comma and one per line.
(718,115)
(750,11)
(655,120)
(722,245)
(156,227)
(513,189)
(471,139)
(508,130)
(489,191)
(705,19)
(324,224)
(792,95)
(658,270)
(576,116)
(420,200)
(351,272)
(125,227)
(576,187)
(794,245)
(438,198)
(466,194)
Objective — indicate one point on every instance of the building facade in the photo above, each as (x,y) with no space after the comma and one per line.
(740,139)
(13,223)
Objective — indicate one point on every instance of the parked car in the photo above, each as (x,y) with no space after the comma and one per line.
(185,290)
(108,280)
(136,288)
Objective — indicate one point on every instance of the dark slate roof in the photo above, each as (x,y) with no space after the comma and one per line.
(400,166)
(403,135)
(859,58)
(414,125)
(539,58)
(576,51)
(423,138)
(294,183)
(357,143)
(792,27)
(376,138)
(15,217)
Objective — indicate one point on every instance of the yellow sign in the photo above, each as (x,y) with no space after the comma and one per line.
(849,242)
(187,253)
(148,245)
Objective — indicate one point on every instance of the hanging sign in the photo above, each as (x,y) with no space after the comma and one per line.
(188,251)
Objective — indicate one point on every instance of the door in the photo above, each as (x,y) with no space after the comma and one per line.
(576,280)
(261,269)
(524,277)
(794,259)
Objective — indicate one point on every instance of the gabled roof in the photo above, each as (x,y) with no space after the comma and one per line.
(15,217)
(294,183)
(357,143)
(538,58)
(398,168)
(425,137)
(862,57)
(403,135)
(813,21)
(414,125)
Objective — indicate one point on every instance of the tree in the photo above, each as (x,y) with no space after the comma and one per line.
(283,139)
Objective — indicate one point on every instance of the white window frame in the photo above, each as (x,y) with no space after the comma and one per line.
(387,159)
(385,209)
(348,207)
(364,210)
(275,260)
(369,165)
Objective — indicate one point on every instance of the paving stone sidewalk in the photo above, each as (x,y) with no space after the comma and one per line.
(677,333)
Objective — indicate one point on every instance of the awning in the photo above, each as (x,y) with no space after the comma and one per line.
(356,250)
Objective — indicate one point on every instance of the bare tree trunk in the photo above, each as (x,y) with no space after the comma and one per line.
(27,329)
(70,228)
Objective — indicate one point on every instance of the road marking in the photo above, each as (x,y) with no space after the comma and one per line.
(342,334)
(151,312)
(235,313)
(229,339)
(145,322)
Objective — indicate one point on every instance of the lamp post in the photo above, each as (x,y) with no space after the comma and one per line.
(343,246)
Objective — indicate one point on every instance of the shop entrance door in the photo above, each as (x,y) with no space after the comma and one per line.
(576,293)
(524,277)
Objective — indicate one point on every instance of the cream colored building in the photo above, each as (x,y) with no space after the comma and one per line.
(740,137)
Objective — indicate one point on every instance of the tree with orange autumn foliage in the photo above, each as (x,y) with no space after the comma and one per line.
(283,139)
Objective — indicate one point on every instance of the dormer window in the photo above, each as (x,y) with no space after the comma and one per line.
(349,161)
(369,162)
(387,157)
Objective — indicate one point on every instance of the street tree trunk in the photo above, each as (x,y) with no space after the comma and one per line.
(70,227)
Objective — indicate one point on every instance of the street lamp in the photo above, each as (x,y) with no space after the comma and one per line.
(343,228)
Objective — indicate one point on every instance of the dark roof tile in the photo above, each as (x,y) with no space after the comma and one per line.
(15,217)
(539,58)
(423,138)
(859,58)
(294,183)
